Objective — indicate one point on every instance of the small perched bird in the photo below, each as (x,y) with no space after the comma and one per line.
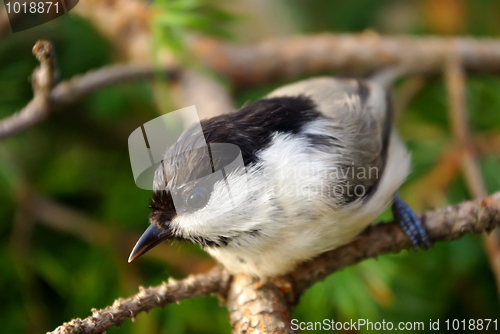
(321,162)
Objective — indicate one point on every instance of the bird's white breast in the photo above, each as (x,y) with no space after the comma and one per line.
(295,218)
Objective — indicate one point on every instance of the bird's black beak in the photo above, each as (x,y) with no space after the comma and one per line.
(150,238)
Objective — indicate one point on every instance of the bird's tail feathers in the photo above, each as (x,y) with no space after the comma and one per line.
(387,76)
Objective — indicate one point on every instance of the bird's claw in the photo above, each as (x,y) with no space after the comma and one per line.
(410,224)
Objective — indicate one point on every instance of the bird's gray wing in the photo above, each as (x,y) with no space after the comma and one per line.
(355,130)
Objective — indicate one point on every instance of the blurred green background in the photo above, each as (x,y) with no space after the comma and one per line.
(70,211)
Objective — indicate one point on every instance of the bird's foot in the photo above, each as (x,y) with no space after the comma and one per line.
(410,224)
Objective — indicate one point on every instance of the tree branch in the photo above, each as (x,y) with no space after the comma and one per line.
(292,57)
(457,100)
(255,307)
(43,79)
(213,282)
(295,56)
(450,223)
(48,98)
(285,58)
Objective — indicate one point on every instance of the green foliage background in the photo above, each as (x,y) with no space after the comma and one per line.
(61,258)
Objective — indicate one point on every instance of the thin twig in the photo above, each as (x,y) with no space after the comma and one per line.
(45,76)
(449,223)
(406,93)
(457,111)
(43,80)
(44,102)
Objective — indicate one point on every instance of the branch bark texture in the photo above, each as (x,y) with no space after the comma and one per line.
(255,307)
(213,282)
(292,57)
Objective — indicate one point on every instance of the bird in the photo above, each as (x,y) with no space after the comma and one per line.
(320,161)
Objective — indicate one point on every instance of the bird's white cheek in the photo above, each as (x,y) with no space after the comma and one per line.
(227,209)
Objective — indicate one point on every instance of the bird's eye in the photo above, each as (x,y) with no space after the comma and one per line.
(198,198)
